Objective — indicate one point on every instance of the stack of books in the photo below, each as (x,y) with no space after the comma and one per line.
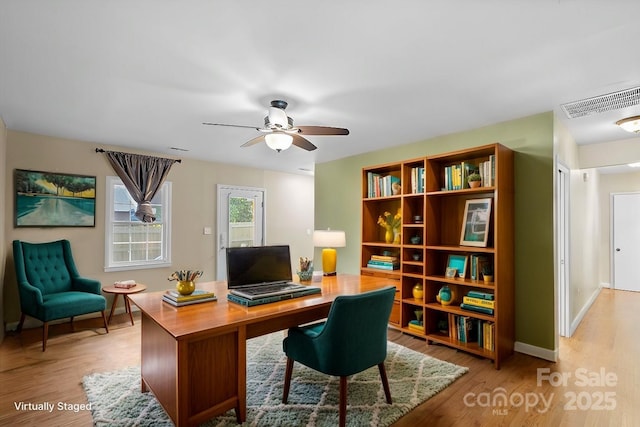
(416,325)
(383,262)
(480,302)
(174,298)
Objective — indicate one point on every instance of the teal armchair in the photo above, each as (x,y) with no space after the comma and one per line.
(353,338)
(50,286)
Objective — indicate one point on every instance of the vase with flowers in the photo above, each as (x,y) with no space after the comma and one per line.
(391,224)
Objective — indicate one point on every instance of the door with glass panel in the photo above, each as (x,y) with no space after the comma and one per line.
(241,221)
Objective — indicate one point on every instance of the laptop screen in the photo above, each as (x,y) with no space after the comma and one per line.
(258,264)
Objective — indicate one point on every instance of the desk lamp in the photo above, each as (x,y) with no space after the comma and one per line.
(329,240)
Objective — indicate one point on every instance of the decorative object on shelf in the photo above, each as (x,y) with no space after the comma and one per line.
(450,273)
(417,219)
(395,188)
(415,240)
(475,225)
(186,280)
(487,273)
(305,273)
(459,262)
(474,180)
(446,295)
(418,291)
(419,314)
(417,256)
(391,224)
(329,240)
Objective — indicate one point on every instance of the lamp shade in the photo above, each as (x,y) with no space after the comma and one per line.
(630,124)
(329,239)
(278,141)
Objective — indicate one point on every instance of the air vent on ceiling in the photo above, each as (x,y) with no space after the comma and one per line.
(603,103)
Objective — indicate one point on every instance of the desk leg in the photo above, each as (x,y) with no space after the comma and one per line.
(241,408)
(113,307)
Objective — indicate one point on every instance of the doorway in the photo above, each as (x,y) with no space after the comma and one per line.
(562,254)
(625,234)
(241,221)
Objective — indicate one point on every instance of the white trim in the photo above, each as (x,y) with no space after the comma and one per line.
(584,310)
(539,352)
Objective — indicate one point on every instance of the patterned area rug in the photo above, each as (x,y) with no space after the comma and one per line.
(313,399)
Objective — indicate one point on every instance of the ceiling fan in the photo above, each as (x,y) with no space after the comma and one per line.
(280,133)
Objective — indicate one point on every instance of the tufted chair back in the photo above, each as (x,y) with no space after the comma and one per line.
(48,266)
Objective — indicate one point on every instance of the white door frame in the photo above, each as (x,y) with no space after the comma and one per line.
(224,192)
(562,249)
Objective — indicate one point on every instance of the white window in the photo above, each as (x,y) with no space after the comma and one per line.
(130,243)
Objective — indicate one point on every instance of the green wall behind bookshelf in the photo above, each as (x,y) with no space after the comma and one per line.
(338,203)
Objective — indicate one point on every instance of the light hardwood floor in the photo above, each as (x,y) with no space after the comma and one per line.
(599,365)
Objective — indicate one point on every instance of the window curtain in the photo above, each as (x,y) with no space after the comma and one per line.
(142,176)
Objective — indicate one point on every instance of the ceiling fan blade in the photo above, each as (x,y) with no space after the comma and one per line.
(322,130)
(233,126)
(299,141)
(253,141)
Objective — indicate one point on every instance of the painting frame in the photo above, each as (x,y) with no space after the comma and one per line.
(53,199)
(458,263)
(476,222)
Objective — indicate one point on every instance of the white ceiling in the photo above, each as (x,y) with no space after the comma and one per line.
(145,74)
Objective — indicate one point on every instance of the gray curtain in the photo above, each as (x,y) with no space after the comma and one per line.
(142,176)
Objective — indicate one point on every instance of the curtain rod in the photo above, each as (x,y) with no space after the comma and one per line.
(100,150)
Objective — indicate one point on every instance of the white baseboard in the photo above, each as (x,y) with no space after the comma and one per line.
(576,322)
(539,352)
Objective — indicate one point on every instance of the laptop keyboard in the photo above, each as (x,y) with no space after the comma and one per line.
(267,289)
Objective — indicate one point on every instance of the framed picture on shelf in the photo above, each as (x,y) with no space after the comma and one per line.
(52,199)
(476,222)
(458,265)
(451,272)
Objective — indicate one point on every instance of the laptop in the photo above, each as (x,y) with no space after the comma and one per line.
(262,274)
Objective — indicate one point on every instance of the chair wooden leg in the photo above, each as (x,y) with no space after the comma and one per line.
(385,381)
(21,323)
(73,327)
(45,335)
(287,380)
(104,319)
(343,401)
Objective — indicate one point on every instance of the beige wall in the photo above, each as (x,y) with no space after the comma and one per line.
(584,218)
(289,210)
(610,153)
(3,196)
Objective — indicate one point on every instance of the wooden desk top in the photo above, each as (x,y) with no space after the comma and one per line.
(183,322)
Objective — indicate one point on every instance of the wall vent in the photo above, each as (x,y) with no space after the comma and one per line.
(603,103)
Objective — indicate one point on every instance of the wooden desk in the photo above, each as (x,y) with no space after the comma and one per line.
(194,357)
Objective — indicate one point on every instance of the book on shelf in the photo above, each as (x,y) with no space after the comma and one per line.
(482,295)
(381,186)
(477,263)
(479,302)
(488,332)
(196,295)
(383,265)
(477,309)
(175,303)
(387,258)
(417,180)
(415,326)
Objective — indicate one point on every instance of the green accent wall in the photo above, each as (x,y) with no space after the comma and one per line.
(338,206)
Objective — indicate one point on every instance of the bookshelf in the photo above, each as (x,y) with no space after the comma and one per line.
(434,204)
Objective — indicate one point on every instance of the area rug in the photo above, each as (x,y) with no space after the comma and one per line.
(116,399)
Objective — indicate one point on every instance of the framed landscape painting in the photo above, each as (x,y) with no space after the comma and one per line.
(50,199)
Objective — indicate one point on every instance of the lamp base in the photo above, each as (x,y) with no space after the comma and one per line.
(329,261)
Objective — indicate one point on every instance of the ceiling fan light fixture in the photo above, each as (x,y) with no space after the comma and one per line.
(278,117)
(278,141)
(630,124)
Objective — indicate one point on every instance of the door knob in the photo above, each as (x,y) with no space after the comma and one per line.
(617,249)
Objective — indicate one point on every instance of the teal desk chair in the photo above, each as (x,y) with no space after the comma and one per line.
(50,287)
(353,338)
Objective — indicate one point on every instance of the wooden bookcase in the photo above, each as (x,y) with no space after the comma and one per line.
(425,246)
